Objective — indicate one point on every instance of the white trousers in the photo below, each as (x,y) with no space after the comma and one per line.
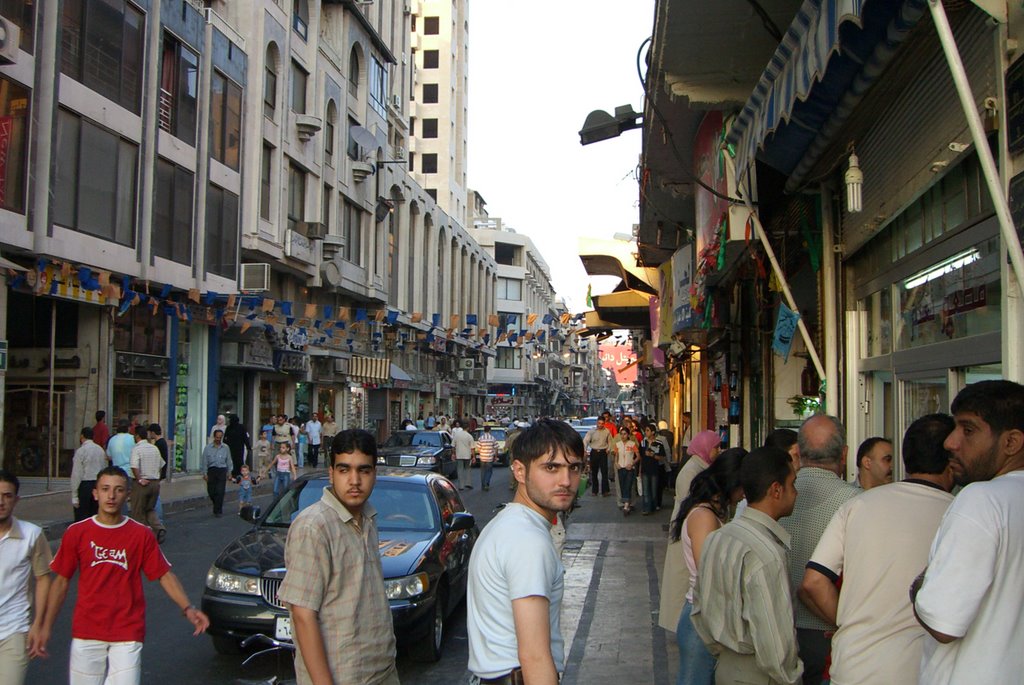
(95,662)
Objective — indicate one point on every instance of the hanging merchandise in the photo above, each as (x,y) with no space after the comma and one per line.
(723,435)
(734,410)
(810,384)
(733,380)
(717,384)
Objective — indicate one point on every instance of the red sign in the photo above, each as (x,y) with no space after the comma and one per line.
(621,361)
(6,127)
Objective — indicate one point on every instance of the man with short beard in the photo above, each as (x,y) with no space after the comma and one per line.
(971,596)
(515,573)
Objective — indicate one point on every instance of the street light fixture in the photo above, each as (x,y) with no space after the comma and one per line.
(600,125)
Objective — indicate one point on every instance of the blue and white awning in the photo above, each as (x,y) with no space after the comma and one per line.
(831,47)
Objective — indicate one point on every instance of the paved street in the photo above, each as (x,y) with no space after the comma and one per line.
(609,620)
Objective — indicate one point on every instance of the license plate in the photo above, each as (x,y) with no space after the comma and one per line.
(283,628)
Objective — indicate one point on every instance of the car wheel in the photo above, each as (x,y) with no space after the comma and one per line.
(429,649)
(223,644)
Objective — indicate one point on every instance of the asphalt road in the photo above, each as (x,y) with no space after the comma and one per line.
(172,656)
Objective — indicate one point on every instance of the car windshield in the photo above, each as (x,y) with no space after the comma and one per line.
(588,421)
(498,433)
(400,506)
(410,438)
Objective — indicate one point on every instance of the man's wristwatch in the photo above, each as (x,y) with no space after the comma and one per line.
(190,607)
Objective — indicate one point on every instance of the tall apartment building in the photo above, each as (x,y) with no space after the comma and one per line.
(438,106)
(216,225)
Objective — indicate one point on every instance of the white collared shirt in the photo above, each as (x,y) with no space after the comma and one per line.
(24,551)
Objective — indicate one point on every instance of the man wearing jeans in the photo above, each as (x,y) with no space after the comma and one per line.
(597,441)
(109,552)
(486,450)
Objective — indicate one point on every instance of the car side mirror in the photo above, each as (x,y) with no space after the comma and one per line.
(249,514)
(461,520)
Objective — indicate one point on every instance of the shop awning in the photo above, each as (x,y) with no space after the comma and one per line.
(617,258)
(624,308)
(369,369)
(831,54)
(397,374)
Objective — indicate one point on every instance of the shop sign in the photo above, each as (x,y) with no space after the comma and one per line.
(3,355)
(682,279)
(131,365)
(292,362)
(258,353)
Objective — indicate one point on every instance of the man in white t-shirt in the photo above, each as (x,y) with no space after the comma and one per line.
(878,542)
(970,597)
(314,430)
(515,573)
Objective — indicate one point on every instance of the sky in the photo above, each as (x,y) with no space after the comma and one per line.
(536,69)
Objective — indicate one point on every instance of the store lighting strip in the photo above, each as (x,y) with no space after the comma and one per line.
(947,266)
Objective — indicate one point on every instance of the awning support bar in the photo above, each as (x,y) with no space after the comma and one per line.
(988,164)
(786,292)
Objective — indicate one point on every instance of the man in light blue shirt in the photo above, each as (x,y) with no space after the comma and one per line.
(119,448)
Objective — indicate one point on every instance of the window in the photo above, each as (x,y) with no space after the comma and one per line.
(179,86)
(429,93)
(392,258)
(432,193)
(378,87)
(296,197)
(14,109)
(505,253)
(299,79)
(225,120)
(429,128)
(332,115)
(300,18)
(353,233)
(429,163)
(325,209)
(352,150)
(21,13)
(266,165)
(353,74)
(94,188)
(29,318)
(221,232)
(509,289)
(270,84)
(412,161)
(101,47)
(509,358)
(172,212)
(141,331)
(431,59)
(431,26)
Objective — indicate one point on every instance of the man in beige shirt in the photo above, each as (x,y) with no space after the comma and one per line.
(596,443)
(334,585)
(742,606)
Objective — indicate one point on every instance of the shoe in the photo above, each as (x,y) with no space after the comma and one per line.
(161,535)
(487,487)
(605,494)
(469,487)
(645,513)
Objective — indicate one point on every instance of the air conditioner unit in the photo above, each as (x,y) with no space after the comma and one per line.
(255,278)
(467,364)
(10,35)
(396,101)
(315,230)
(340,366)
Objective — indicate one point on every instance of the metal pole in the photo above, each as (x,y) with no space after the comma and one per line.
(828,296)
(988,164)
(50,432)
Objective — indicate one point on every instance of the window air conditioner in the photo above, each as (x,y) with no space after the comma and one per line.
(466,364)
(315,230)
(10,35)
(396,101)
(255,278)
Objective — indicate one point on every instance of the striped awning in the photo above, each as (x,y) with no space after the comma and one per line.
(369,369)
(833,50)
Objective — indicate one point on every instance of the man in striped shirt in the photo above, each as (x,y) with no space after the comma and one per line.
(146,465)
(486,451)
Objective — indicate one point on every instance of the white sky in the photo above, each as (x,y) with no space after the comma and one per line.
(536,69)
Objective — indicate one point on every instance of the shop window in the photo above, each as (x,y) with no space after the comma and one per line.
(221,232)
(878,312)
(94,189)
(140,331)
(225,120)
(28,321)
(172,212)
(102,48)
(14,111)
(179,82)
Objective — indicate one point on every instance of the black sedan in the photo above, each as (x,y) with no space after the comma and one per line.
(431,450)
(426,536)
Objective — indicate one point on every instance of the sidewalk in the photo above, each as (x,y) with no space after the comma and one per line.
(52,509)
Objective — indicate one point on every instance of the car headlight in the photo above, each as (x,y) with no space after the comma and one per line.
(407,587)
(222,581)
(382,460)
(426,461)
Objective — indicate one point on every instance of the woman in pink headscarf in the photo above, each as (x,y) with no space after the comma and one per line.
(703,449)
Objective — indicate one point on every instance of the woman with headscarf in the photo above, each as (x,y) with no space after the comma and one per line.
(703,450)
(237,440)
(221,425)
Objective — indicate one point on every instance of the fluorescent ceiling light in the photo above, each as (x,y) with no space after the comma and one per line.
(944,267)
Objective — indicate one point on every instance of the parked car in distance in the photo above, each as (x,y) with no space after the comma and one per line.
(426,537)
(588,421)
(499,434)
(431,450)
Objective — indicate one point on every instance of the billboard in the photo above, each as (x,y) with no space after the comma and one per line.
(621,361)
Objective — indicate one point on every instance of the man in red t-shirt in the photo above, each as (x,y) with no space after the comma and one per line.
(109,551)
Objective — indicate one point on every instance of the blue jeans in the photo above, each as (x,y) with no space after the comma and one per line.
(626,479)
(486,467)
(650,481)
(696,665)
(282,481)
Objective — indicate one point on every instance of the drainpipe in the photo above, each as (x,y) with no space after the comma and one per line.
(988,164)
(150,114)
(45,130)
(828,298)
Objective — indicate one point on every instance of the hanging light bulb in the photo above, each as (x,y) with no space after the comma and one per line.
(854,185)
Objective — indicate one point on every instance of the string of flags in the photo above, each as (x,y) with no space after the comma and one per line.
(306,323)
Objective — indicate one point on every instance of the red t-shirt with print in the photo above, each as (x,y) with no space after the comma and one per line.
(111,605)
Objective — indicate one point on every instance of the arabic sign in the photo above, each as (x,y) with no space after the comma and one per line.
(682,277)
(621,361)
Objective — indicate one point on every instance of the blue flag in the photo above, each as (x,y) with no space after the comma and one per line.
(785,329)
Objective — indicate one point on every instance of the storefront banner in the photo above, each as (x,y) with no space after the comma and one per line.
(666,297)
(654,313)
(785,330)
(682,278)
(621,361)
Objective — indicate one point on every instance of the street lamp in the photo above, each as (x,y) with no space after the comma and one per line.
(601,126)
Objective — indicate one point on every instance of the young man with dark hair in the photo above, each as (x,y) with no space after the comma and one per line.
(109,552)
(119,448)
(334,585)
(24,554)
(878,542)
(743,608)
(874,463)
(89,459)
(147,468)
(515,574)
(971,597)
(100,431)
(217,460)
